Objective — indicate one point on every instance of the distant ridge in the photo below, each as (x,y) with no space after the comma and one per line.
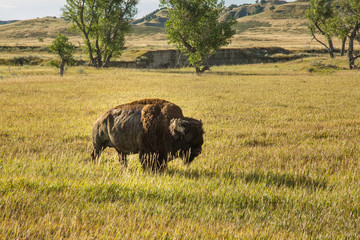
(279,9)
(266,23)
(156,18)
(47,27)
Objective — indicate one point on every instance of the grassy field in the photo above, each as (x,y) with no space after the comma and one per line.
(280,158)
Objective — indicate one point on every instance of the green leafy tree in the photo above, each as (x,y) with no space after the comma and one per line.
(104,25)
(232,6)
(65,49)
(348,26)
(320,17)
(194,29)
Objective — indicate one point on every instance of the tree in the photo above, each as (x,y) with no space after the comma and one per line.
(348,25)
(319,16)
(194,29)
(103,24)
(64,48)
(232,6)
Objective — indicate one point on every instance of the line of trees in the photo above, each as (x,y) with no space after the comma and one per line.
(193,28)
(335,19)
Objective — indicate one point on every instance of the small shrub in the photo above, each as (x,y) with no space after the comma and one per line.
(20,61)
(318,66)
(81,71)
(54,63)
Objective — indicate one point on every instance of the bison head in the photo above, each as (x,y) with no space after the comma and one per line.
(188,137)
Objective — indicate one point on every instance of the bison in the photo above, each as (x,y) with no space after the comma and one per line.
(154,128)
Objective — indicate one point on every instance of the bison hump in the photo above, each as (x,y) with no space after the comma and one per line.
(153,101)
(151,117)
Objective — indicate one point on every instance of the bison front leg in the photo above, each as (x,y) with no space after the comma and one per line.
(153,161)
(95,155)
(161,164)
(123,159)
(145,160)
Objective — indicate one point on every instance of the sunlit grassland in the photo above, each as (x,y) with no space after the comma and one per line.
(280,158)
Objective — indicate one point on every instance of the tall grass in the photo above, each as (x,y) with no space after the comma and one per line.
(280,159)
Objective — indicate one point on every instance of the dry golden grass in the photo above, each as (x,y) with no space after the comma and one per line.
(280,160)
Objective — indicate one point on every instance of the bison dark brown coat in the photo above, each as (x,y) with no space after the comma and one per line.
(154,128)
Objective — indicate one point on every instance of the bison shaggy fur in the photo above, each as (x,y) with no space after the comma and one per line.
(154,128)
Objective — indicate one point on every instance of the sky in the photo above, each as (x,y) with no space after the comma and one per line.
(30,9)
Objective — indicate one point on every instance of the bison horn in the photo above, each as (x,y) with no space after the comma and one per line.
(175,124)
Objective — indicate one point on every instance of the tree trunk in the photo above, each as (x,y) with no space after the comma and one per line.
(331,47)
(98,54)
(98,61)
(351,53)
(351,46)
(200,71)
(62,64)
(90,50)
(107,60)
(343,46)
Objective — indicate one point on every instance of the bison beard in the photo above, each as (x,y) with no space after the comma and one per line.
(154,128)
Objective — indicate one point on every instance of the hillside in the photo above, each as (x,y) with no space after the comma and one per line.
(32,32)
(279,9)
(155,19)
(265,24)
(47,27)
